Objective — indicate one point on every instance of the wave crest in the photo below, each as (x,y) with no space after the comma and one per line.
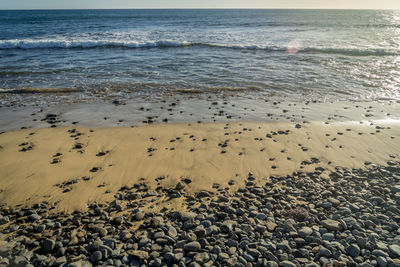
(53,43)
(88,44)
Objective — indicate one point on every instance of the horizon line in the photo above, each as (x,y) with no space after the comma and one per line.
(199,8)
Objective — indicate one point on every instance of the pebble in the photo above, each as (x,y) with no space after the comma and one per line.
(48,245)
(395,250)
(139,254)
(331,225)
(102,232)
(192,246)
(328,236)
(382,262)
(353,250)
(324,252)
(305,231)
(257,225)
(34,217)
(287,264)
(96,256)
(4,219)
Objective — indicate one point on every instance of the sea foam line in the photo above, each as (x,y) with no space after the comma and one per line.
(87,44)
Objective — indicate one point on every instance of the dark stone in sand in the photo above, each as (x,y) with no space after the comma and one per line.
(96,256)
(48,245)
(192,246)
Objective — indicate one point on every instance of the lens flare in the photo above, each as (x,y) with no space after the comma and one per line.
(293,47)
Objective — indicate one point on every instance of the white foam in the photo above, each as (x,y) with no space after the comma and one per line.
(86,42)
(63,43)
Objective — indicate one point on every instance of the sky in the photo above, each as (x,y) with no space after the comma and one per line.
(100,4)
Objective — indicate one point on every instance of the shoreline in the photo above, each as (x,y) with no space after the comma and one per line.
(182,109)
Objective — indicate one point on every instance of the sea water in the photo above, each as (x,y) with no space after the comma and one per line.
(292,54)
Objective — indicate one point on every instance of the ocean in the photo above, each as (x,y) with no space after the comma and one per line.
(325,55)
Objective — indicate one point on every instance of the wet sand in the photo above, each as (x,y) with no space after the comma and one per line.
(181,109)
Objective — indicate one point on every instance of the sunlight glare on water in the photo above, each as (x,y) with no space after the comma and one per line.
(293,47)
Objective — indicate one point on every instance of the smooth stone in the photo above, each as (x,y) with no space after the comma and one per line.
(327,205)
(96,256)
(334,201)
(157,221)
(192,246)
(61,260)
(331,225)
(304,231)
(287,264)
(223,199)
(353,250)
(101,231)
(143,241)
(378,252)
(172,231)
(328,236)
(247,256)
(48,245)
(34,217)
(158,235)
(284,245)
(185,216)
(382,262)
(272,264)
(324,252)
(74,241)
(260,228)
(223,256)
(60,252)
(140,254)
(254,252)
(4,219)
(271,226)
(227,226)
(395,250)
(261,216)
(204,257)
(395,188)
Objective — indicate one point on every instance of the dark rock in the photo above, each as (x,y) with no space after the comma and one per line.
(353,250)
(48,245)
(96,256)
(192,246)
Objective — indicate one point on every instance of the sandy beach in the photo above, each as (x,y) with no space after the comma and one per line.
(73,167)
(287,180)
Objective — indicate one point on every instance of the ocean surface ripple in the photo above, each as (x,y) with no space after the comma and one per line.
(292,54)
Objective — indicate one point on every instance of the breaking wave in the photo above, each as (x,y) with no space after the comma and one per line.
(90,44)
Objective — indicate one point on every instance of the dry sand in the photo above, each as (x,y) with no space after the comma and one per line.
(73,166)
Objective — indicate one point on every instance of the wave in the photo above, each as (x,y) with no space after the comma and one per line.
(90,44)
(53,43)
(40,90)
(19,73)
